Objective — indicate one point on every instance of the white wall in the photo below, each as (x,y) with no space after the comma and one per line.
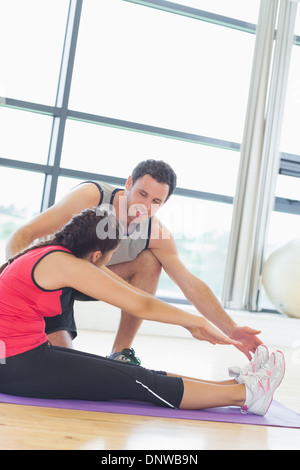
(277,330)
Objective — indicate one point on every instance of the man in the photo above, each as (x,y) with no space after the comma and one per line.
(146,247)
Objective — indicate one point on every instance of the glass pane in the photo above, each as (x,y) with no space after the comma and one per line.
(201,231)
(245,10)
(288,187)
(24,136)
(283,228)
(115,152)
(64,185)
(31,41)
(20,196)
(297,26)
(290,141)
(189,76)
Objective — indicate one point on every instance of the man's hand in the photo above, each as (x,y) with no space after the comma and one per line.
(247,339)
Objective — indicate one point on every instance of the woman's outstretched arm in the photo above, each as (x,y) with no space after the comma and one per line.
(61,269)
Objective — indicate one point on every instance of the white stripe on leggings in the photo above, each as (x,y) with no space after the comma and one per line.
(157,396)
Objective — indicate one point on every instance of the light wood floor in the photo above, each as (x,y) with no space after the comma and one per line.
(35,428)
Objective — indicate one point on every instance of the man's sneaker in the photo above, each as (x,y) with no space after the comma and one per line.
(260,356)
(260,386)
(126,355)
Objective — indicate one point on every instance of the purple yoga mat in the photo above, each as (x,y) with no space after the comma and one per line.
(277,415)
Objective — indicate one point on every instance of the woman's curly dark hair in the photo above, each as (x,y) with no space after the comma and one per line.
(91,230)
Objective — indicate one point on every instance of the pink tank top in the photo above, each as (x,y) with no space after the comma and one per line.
(24,304)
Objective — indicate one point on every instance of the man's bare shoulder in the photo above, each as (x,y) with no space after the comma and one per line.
(86,194)
(160,235)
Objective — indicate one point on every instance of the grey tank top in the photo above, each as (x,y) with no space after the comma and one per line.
(133,244)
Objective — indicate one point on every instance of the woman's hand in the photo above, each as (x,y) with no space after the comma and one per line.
(207,332)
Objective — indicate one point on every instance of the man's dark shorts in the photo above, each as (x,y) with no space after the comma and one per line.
(66,321)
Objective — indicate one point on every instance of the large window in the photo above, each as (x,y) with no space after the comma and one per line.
(89,88)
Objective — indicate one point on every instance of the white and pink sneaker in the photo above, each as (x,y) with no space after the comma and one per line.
(260,385)
(260,357)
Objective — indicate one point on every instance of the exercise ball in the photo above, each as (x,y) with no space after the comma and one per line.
(281,278)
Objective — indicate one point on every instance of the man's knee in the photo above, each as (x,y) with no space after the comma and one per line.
(148,262)
(143,266)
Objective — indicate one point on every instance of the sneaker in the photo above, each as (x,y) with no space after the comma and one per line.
(126,355)
(260,386)
(260,356)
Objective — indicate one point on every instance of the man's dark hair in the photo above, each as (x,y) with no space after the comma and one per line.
(159,170)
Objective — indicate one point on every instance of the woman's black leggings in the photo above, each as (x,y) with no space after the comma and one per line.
(59,373)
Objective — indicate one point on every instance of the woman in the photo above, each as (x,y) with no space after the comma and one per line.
(37,282)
